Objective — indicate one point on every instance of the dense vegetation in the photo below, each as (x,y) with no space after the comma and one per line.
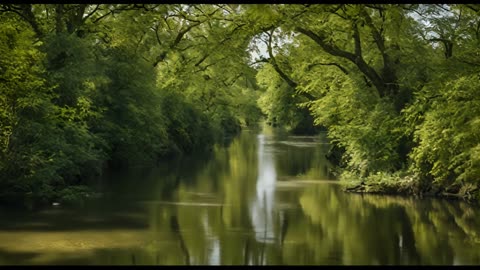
(395,85)
(85,86)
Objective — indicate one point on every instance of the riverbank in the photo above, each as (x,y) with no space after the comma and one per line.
(408,185)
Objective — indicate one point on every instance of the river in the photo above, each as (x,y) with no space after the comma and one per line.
(265,199)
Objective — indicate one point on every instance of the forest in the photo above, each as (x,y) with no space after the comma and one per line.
(86,88)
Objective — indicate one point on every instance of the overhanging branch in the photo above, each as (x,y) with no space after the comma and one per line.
(280,72)
(344,70)
(356,58)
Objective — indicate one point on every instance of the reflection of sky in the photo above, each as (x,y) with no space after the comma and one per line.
(262,207)
(214,256)
(213,243)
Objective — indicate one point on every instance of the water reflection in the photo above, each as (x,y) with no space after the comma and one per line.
(262,206)
(266,199)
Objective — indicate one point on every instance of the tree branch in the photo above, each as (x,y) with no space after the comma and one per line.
(84,19)
(356,39)
(274,62)
(30,18)
(202,59)
(110,11)
(344,70)
(59,18)
(224,8)
(284,76)
(328,47)
(356,58)
(388,73)
(473,7)
(375,33)
(176,41)
(155,28)
(76,20)
(261,60)
(373,6)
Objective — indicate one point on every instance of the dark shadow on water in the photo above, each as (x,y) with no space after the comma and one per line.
(101,256)
(15,258)
(66,220)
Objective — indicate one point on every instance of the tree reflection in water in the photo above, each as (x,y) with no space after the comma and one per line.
(262,200)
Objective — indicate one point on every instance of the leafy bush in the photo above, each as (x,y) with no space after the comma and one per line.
(448,138)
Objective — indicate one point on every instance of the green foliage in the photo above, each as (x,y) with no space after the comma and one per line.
(188,128)
(280,104)
(80,94)
(25,111)
(83,86)
(132,121)
(391,91)
(452,120)
(368,128)
(247,110)
(74,195)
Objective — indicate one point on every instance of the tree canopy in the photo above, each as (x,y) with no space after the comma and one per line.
(84,87)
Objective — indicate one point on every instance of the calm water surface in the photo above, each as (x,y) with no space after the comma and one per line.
(264,199)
